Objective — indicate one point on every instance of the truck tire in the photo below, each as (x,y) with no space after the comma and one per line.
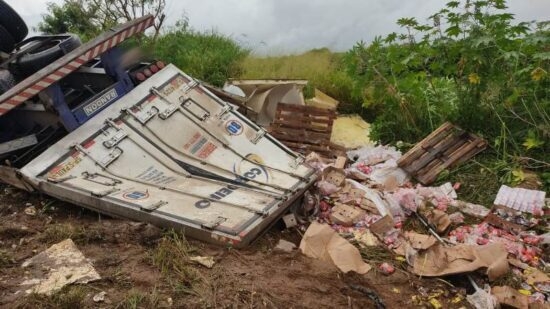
(12,22)
(6,81)
(6,40)
(28,63)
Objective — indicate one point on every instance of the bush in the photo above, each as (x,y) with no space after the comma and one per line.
(208,56)
(474,66)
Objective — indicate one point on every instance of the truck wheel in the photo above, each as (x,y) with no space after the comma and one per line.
(28,63)
(12,22)
(6,81)
(6,40)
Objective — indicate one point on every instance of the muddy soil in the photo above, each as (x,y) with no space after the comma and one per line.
(124,254)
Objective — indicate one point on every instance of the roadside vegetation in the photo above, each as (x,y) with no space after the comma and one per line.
(471,63)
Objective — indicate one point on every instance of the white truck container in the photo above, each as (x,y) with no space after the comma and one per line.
(171,153)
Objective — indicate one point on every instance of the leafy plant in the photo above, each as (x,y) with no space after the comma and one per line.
(208,56)
(473,65)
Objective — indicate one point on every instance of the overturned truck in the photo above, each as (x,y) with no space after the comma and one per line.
(161,149)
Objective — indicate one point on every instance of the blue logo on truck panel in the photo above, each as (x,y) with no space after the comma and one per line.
(234,127)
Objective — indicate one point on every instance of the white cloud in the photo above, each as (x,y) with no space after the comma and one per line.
(277,26)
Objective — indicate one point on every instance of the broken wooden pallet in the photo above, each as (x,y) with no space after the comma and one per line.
(305,129)
(445,147)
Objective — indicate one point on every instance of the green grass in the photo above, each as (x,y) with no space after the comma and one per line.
(6,258)
(72,296)
(171,257)
(55,233)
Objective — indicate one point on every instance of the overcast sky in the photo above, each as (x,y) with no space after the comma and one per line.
(290,26)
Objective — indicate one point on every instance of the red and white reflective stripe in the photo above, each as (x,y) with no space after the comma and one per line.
(63,71)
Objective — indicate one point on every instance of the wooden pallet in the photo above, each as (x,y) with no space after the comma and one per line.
(305,129)
(444,148)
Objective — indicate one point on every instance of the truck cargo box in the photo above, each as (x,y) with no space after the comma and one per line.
(173,154)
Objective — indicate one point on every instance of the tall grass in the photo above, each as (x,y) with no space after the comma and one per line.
(208,56)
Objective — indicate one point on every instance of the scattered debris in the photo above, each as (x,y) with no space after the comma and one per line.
(508,296)
(263,96)
(482,298)
(370,294)
(386,268)
(321,242)
(322,100)
(420,241)
(351,132)
(346,215)
(509,219)
(290,220)
(474,210)
(99,297)
(57,266)
(285,246)
(524,200)
(445,147)
(206,261)
(439,260)
(31,211)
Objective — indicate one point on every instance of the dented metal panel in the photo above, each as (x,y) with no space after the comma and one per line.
(173,154)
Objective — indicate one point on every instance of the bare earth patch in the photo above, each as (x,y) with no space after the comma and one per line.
(142,266)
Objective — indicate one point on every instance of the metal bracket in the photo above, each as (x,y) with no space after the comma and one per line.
(262,213)
(103,193)
(259,134)
(112,156)
(213,224)
(190,85)
(171,109)
(152,206)
(226,109)
(94,177)
(187,107)
(60,180)
(143,119)
(297,161)
(117,138)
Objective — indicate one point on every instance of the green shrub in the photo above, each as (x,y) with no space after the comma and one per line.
(208,56)
(474,66)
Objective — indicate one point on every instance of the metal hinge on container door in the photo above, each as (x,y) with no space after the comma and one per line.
(190,85)
(167,112)
(101,179)
(195,109)
(259,134)
(152,206)
(112,156)
(214,223)
(118,136)
(102,193)
(226,109)
(140,115)
(297,161)
(171,109)
(61,179)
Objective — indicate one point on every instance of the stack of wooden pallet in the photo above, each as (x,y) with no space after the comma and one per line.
(305,129)
(445,147)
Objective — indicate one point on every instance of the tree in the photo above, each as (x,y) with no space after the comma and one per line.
(90,17)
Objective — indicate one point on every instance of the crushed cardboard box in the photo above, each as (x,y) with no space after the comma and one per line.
(321,242)
(440,261)
(57,266)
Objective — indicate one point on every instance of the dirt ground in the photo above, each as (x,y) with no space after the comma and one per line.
(144,267)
